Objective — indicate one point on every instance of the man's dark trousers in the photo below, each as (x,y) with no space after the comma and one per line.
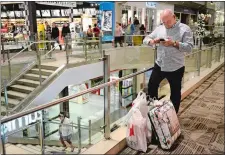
(175,80)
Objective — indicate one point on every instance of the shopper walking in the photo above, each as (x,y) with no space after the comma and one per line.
(118,35)
(65,132)
(65,31)
(89,35)
(170,55)
(96,31)
(48,35)
(55,35)
(129,31)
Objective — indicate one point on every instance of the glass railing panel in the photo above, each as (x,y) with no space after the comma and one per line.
(222,51)
(190,66)
(86,48)
(16,64)
(204,58)
(215,52)
(21,136)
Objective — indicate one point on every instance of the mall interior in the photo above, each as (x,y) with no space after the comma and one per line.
(63,56)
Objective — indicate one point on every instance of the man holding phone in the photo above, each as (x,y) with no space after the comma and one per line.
(173,39)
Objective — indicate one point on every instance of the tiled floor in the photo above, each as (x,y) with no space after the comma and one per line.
(202,121)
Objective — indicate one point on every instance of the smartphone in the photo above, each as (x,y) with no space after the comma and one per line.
(161,39)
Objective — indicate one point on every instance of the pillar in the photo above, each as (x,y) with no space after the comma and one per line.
(30,17)
(71,15)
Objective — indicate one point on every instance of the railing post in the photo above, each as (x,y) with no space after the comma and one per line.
(41,136)
(38,60)
(49,45)
(79,133)
(3,140)
(9,63)
(85,47)
(106,66)
(89,128)
(66,47)
(100,44)
(125,40)
(220,48)
(199,57)
(3,50)
(211,52)
(6,97)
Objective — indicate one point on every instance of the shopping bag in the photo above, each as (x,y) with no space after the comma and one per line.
(135,104)
(141,103)
(136,135)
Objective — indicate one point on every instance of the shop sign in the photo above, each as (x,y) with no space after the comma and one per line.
(20,122)
(151,4)
(59,3)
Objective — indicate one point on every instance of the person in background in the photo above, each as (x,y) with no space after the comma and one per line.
(136,21)
(118,34)
(65,31)
(13,30)
(129,31)
(55,35)
(65,131)
(142,31)
(178,39)
(89,35)
(48,34)
(96,31)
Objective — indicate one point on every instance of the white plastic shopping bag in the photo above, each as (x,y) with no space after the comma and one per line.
(136,135)
(140,99)
(141,103)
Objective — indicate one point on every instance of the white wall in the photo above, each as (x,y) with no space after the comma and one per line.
(71,76)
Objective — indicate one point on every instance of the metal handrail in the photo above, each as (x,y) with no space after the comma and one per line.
(38,42)
(67,98)
(20,52)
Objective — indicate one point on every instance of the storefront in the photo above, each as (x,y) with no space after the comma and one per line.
(59,12)
(148,13)
(186,16)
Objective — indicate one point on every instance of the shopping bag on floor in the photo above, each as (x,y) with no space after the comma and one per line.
(136,135)
(141,103)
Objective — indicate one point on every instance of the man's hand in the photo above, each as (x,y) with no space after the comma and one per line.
(154,41)
(168,42)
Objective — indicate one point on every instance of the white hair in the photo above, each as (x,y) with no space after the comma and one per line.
(167,12)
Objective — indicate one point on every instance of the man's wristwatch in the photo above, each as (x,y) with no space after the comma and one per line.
(175,44)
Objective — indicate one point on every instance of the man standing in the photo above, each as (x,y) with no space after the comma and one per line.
(66,33)
(174,39)
(48,35)
(55,34)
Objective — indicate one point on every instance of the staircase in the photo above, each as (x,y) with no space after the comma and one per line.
(36,149)
(22,87)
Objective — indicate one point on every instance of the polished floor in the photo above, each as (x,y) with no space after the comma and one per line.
(202,121)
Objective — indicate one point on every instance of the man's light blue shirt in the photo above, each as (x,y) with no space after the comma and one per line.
(172,58)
